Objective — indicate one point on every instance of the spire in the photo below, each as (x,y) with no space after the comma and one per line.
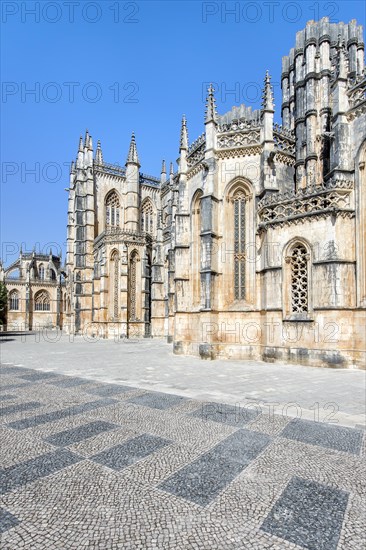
(184,134)
(267,96)
(211,111)
(88,151)
(99,154)
(163,172)
(80,157)
(171,173)
(132,153)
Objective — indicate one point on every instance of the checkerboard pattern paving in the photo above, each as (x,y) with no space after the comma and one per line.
(111,466)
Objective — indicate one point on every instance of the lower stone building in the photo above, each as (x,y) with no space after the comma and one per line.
(36,292)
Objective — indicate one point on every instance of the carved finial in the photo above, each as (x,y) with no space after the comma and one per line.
(267,96)
(90,144)
(99,154)
(72,169)
(132,153)
(171,172)
(81,145)
(184,134)
(86,140)
(211,111)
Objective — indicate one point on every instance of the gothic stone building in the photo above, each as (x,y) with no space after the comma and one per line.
(254,248)
(36,292)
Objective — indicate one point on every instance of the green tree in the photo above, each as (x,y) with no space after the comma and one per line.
(3,303)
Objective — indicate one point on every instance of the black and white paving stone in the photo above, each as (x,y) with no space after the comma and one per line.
(336,437)
(308,514)
(113,466)
(228,414)
(7,520)
(157,400)
(107,390)
(75,435)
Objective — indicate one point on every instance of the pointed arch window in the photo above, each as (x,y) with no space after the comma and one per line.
(196,249)
(41,272)
(132,286)
(115,268)
(14,300)
(112,210)
(239,201)
(42,301)
(147,217)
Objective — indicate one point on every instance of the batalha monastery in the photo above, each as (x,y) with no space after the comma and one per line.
(254,248)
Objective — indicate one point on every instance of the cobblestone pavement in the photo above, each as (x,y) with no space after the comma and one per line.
(316,393)
(87,464)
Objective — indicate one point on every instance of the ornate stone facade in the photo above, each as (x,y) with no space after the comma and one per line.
(36,292)
(255,246)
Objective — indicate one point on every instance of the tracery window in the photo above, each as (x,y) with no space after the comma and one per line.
(132,286)
(196,249)
(147,217)
(41,272)
(115,267)
(239,245)
(42,301)
(112,210)
(299,279)
(14,300)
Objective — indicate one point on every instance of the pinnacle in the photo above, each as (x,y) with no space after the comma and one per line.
(99,154)
(184,134)
(267,96)
(132,153)
(211,111)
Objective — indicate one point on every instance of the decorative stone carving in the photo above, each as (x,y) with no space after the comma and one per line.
(333,195)
(239,139)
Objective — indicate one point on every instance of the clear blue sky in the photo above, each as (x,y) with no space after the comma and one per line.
(115,67)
